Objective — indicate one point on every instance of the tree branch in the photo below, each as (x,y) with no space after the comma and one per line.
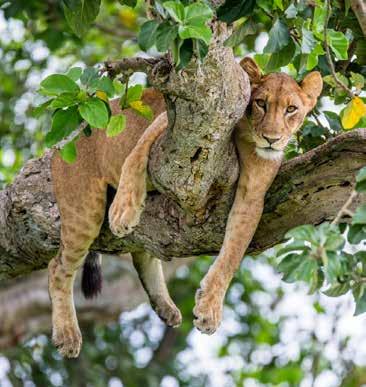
(359,9)
(309,189)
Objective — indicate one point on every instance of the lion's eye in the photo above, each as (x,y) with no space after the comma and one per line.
(261,103)
(291,109)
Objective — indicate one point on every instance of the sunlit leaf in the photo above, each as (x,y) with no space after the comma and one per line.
(94,112)
(58,83)
(116,125)
(69,153)
(354,111)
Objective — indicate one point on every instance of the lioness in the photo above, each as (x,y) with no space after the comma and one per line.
(277,109)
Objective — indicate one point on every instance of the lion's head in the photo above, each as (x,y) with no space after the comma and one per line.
(278,107)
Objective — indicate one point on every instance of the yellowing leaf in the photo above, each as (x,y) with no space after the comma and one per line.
(353,112)
(128,17)
(102,95)
(142,109)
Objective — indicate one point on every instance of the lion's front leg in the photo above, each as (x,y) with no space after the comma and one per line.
(128,204)
(242,223)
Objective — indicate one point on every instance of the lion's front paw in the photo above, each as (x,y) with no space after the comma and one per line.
(207,312)
(67,338)
(123,217)
(167,311)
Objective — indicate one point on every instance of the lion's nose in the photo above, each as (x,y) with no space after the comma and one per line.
(271,140)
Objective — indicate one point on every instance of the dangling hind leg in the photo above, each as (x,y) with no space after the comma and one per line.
(152,278)
(80,225)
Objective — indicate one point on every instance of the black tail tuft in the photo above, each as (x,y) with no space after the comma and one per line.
(91,280)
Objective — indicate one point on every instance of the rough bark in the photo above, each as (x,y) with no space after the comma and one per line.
(309,189)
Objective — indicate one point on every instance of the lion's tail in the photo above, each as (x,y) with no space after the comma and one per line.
(92,280)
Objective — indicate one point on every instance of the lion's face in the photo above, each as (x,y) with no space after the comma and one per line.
(278,107)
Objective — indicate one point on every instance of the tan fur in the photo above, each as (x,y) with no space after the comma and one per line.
(80,191)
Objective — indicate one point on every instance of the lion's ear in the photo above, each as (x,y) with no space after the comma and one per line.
(312,86)
(252,69)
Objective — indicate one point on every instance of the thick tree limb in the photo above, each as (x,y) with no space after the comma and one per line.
(309,189)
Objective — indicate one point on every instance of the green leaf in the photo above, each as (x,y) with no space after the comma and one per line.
(338,43)
(337,290)
(58,83)
(360,216)
(165,35)
(361,180)
(202,49)
(360,305)
(288,265)
(357,80)
(294,246)
(94,112)
(278,4)
(175,10)
(199,32)
(308,41)
(40,109)
(119,87)
(245,29)
(68,152)
(233,10)
(105,84)
(65,100)
(197,13)
(147,34)
(281,58)
(116,125)
(356,233)
(279,37)
(334,241)
(74,73)
(80,14)
(319,20)
(334,267)
(64,122)
(129,3)
(89,75)
(307,271)
(134,93)
(305,233)
(291,12)
(333,120)
(142,109)
(185,53)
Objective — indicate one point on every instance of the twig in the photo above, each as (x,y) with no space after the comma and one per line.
(345,208)
(328,55)
(359,9)
(71,136)
(131,65)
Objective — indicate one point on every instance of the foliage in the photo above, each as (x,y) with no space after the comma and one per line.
(320,256)
(63,42)
(72,103)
